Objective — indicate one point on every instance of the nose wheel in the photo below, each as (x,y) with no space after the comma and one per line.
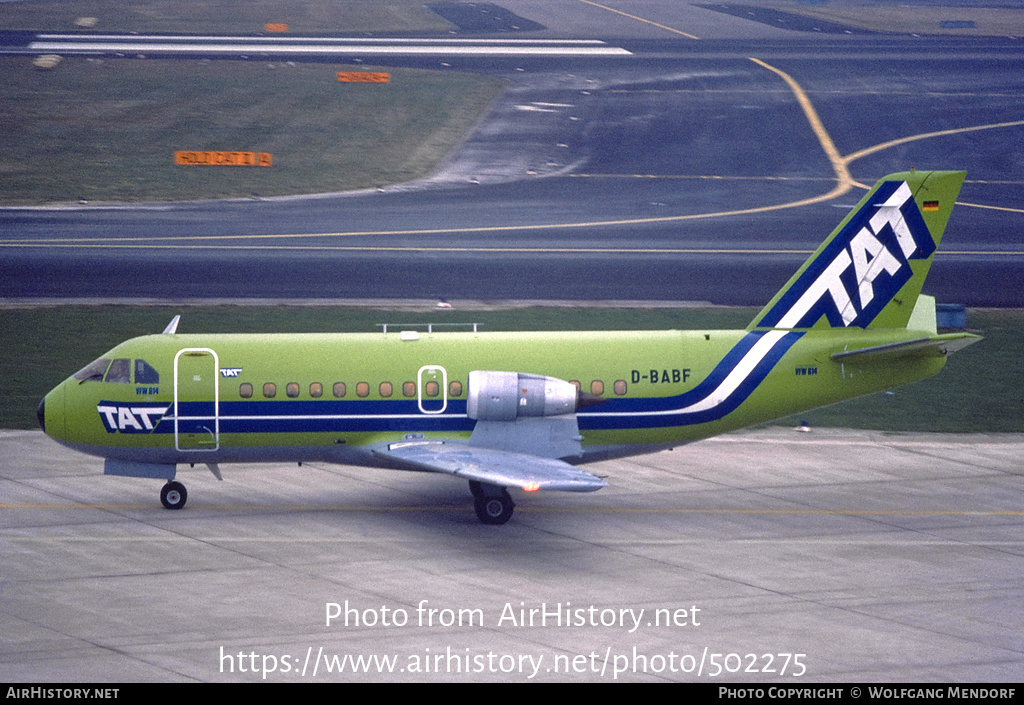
(173,495)
(493,504)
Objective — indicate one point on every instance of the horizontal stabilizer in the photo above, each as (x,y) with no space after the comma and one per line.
(495,467)
(939,345)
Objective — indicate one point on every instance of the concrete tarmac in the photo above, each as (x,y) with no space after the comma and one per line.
(767,556)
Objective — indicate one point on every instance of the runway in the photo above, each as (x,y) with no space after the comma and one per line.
(766,557)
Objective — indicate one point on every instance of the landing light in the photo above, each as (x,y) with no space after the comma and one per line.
(531,487)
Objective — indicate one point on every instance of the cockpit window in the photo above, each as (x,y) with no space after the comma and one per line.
(94,370)
(145,374)
(120,371)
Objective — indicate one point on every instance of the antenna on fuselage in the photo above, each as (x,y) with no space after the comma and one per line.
(172,326)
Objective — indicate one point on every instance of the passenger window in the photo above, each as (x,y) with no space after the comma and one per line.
(363,389)
(339,389)
(597,387)
(316,390)
(432,389)
(292,389)
(409,389)
(245,390)
(94,370)
(270,390)
(455,389)
(385,389)
(120,371)
(145,374)
(620,387)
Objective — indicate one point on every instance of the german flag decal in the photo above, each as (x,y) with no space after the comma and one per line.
(930,206)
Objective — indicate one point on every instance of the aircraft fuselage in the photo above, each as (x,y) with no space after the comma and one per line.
(304,397)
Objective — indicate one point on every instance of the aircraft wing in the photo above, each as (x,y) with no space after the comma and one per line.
(934,346)
(495,467)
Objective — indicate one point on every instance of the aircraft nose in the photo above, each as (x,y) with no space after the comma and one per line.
(50,413)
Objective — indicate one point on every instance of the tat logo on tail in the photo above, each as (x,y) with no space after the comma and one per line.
(861,268)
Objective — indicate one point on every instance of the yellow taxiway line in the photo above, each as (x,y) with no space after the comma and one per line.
(640,19)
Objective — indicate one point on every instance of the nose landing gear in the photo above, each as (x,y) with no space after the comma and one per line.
(174,495)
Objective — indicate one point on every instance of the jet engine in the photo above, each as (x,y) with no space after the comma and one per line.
(505,396)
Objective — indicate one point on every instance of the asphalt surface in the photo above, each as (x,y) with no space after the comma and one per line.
(600,177)
(876,557)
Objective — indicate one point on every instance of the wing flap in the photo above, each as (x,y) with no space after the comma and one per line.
(496,467)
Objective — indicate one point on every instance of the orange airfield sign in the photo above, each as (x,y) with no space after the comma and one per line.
(205,158)
(363,77)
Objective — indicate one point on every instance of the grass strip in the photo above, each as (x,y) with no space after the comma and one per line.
(107,129)
(224,16)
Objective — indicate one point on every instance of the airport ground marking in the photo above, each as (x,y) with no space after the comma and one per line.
(991,208)
(567,48)
(150,241)
(641,19)
(817,91)
(316,40)
(928,135)
(699,177)
(839,164)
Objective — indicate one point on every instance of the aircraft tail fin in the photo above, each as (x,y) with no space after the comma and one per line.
(869,272)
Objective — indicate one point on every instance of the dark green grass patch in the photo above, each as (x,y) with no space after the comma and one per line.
(979,391)
(244,17)
(107,130)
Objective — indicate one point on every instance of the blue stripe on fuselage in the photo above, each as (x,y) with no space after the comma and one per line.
(403,415)
(641,413)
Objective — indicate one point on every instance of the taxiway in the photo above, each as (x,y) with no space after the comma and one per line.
(633,173)
(877,557)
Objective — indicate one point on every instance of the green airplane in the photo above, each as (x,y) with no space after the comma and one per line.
(523,410)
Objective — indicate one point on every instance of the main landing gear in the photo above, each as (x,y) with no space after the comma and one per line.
(174,495)
(493,504)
